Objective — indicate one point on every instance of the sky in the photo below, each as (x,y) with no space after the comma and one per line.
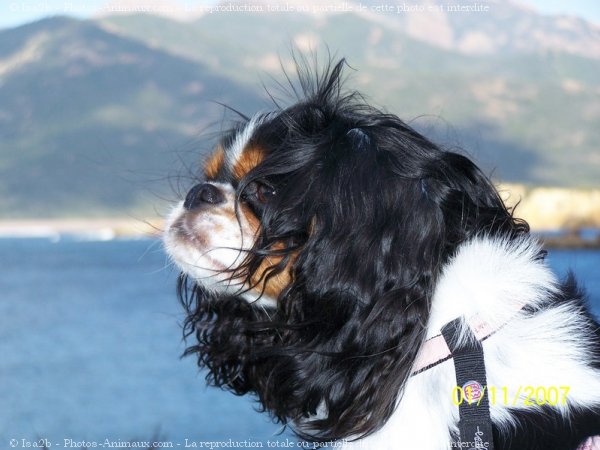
(586,9)
(17,12)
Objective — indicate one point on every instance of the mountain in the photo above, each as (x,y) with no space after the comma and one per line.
(524,104)
(102,117)
(90,120)
(504,26)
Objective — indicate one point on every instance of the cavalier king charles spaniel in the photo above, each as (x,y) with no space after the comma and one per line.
(369,287)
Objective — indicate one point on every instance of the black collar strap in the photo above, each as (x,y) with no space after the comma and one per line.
(475,424)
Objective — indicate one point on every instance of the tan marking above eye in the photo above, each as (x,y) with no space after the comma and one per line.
(214,163)
(251,157)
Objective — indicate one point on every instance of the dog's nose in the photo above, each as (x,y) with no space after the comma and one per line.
(203,194)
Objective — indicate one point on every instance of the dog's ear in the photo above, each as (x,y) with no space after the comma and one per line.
(467,199)
(363,279)
(383,225)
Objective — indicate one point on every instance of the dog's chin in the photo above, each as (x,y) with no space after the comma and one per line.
(209,248)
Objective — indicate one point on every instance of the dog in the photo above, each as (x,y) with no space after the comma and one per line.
(371,288)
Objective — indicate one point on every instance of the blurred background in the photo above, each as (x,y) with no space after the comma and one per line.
(106,111)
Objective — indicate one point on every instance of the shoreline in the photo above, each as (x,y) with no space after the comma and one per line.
(569,241)
(106,229)
(100,228)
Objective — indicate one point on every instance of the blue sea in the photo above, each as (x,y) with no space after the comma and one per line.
(90,341)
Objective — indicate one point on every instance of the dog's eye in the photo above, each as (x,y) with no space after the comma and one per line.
(264,193)
(258,193)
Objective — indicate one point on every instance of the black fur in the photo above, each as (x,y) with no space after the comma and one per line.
(366,212)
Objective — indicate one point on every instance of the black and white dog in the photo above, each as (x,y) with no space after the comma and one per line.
(327,246)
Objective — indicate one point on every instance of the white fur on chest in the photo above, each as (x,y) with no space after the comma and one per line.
(488,277)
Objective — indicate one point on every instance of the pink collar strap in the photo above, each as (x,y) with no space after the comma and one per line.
(435,351)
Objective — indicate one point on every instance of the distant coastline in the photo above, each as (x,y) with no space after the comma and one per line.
(82,228)
(572,240)
(553,208)
(560,217)
(109,229)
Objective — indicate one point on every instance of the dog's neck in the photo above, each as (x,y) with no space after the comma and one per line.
(459,296)
(488,280)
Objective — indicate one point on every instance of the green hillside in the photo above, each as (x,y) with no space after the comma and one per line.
(94,124)
(532,116)
(108,117)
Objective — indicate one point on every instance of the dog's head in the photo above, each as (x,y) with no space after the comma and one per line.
(310,250)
